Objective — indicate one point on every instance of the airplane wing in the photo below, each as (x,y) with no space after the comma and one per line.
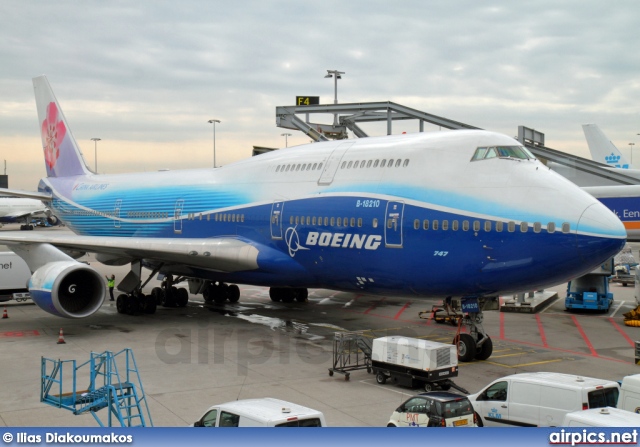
(4,192)
(21,214)
(224,254)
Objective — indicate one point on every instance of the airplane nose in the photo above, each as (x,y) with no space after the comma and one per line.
(600,234)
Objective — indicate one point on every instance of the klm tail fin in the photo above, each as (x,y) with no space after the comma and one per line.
(61,154)
(602,149)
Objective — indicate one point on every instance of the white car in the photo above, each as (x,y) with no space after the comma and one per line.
(435,409)
(265,412)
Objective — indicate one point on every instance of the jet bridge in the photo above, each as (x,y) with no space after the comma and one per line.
(351,114)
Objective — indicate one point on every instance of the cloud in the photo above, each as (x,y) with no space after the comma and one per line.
(154,72)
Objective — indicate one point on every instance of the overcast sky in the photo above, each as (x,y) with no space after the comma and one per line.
(146,76)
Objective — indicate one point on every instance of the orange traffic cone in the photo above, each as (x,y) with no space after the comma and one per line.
(4,314)
(61,338)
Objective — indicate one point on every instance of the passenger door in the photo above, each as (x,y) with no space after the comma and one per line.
(116,213)
(276,220)
(331,166)
(177,216)
(393,224)
(492,404)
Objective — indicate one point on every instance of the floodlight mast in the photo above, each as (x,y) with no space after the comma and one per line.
(214,139)
(335,74)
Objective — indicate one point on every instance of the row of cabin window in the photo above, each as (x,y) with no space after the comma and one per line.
(375,163)
(499,226)
(147,214)
(299,167)
(328,221)
(224,217)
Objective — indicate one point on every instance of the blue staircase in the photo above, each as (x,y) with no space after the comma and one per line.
(113,383)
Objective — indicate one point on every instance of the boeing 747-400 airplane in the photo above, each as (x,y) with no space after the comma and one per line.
(465,215)
(23,210)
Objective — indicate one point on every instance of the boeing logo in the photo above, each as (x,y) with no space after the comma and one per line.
(293,241)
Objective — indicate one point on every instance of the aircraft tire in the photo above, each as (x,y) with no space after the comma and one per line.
(484,352)
(288,295)
(301,295)
(157,293)
(130,304)
(275,294)
(466,347)
(233,293)
(150,304)
(208,293)
(183,297)
(219,294)
(120,303)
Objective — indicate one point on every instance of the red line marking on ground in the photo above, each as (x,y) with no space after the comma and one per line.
(624,334)
(402,310)
(584,336)
(501,326)
(10,334)
(582,354)
(376,304)
(543,337)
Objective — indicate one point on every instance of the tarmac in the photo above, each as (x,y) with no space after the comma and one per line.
(194,357)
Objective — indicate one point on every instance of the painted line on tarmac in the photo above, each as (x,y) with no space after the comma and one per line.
(543,337)
(584,336)
(374,305)
(520,365)
(623,333)
(405,307)
(616,310)
(382,387)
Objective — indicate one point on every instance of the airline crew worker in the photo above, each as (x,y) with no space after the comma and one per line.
(111,282)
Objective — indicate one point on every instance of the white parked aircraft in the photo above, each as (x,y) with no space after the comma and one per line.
(602,148)
(465,215)
(23,210)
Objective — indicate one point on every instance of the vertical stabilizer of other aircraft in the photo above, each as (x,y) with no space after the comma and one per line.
(602,149)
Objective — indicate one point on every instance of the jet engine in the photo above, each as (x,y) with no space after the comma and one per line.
(67,289)
(53,220)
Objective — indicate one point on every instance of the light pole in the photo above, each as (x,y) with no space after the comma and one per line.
(214,139)
(286,142)
(335,74)
(631,148)
(95,153)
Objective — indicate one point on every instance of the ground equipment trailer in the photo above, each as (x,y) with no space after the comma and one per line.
(591,291)
(14,276)
(414,362)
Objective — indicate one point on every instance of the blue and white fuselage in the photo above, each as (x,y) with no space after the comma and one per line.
(329,215)
(449,214)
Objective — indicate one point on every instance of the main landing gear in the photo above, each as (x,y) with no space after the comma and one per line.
(219,293)
(288,294)
(136,302)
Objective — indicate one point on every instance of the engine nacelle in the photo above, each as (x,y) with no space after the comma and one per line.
(67,289)
(53,220)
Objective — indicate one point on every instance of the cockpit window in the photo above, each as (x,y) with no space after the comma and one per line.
(516,152)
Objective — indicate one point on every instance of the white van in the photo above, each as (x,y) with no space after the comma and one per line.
(630,394)
(265,412)
(601,417)
(540,399)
